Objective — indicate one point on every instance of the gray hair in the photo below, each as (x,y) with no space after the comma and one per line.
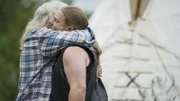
(41,17)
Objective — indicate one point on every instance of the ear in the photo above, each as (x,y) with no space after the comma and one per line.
(70,28)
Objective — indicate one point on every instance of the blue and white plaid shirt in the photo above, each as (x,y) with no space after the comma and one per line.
(38,56)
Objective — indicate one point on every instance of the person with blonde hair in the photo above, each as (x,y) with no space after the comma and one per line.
(73,78)
(39,48)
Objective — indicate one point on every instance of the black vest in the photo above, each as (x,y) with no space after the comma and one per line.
(95,90)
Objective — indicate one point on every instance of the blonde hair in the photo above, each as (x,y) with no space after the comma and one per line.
(75,17)
(98,51)
(41,17)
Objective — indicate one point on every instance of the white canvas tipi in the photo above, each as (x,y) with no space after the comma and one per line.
(141,52)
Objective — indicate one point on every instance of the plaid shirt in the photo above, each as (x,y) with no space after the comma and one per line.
(38,56)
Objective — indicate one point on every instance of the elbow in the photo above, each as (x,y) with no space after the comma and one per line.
(78,87)
(77,93)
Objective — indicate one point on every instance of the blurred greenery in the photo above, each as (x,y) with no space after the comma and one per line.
(13,18)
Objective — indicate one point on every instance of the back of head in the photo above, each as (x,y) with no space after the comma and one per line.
(75,17)
(41,17)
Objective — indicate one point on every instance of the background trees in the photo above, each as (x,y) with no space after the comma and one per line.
(13,18)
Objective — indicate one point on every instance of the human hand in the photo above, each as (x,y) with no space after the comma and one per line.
(99,71)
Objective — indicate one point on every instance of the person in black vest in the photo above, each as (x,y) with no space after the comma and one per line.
(40,46)
(74,75)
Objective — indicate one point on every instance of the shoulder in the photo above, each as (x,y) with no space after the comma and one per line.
(75,53)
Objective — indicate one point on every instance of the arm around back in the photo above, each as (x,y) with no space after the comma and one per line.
(53,41)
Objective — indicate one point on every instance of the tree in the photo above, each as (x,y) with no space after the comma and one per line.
(14,16)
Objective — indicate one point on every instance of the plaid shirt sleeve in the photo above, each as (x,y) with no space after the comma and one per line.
(52,41)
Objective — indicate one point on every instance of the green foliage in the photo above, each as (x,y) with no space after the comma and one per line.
(14,16)
(13,19)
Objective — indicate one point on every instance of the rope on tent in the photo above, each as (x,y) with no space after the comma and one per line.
(149,7)
(165,67)
(146,19)
(156,46)
(132,38)
(161,47)
(160,58)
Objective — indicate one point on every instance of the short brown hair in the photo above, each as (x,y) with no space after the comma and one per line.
(75,17)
